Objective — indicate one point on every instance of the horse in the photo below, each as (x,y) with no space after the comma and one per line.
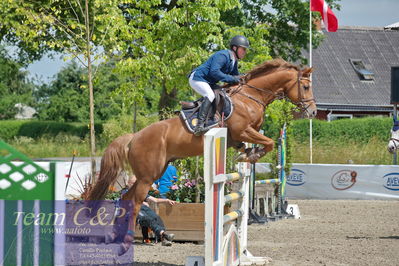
(393,143)
(149,151)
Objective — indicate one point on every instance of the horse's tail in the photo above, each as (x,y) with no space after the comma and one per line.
(113,162)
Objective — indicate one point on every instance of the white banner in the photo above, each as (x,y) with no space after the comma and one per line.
(341,181)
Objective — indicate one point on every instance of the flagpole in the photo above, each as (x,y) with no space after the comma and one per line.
(310,65)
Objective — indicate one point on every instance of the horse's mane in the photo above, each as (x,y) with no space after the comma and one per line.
(269,67)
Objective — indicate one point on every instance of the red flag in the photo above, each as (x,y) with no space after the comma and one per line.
(329,19)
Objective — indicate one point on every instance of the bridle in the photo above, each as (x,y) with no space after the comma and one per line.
(395,141)
(302,103)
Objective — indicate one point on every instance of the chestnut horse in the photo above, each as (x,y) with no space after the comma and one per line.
(149,151)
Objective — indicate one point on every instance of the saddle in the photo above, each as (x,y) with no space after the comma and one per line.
(221,110)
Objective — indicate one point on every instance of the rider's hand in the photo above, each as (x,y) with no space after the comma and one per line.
(237,79)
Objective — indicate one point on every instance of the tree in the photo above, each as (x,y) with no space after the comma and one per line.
(287,22)
(62,100)
(167,40)
(70,26)
(14,86)
(170,38)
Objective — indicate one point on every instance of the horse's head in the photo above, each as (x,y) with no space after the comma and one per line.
(278,79)
(393,143)
(300,92)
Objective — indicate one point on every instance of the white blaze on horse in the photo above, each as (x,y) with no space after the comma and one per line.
(393,143)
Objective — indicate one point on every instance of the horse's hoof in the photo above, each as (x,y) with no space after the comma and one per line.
(242,157)
(123,248)
(253,158)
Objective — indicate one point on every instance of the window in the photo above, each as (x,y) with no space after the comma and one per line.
(332,117)
(361,70)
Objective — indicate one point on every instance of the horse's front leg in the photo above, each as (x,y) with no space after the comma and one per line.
(252,136)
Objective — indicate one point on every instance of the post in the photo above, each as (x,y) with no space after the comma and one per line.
(311,139)
(395,155)
(252,183)
(310,77)
(91,95)
(214,164)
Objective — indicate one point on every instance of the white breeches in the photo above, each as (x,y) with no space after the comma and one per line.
(202,88)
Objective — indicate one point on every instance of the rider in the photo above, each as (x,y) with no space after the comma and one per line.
(221,66)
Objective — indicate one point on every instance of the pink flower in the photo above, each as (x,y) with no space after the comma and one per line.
(188,184)
(174,187)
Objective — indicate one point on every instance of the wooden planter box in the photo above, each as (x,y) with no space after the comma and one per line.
(185,220)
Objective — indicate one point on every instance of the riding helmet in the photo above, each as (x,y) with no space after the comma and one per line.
(239,40)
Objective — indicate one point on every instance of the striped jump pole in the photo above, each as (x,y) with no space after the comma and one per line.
(225,248)
(267,181)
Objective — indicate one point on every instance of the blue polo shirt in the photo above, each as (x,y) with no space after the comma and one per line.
(167,179)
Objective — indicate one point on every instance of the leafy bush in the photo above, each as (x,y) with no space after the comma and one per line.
(124,124)
(9,128)
(360,130)
(36,129)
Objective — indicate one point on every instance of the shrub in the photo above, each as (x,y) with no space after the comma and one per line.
(36,129)
(124,124)
(360,130)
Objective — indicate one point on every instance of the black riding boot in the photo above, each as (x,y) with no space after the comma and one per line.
(202,114)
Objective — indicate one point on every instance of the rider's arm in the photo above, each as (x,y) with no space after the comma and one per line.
(215,70)
(159,200)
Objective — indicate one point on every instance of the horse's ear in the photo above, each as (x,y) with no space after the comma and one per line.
(307,71)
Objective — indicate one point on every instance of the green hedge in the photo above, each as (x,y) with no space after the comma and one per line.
(357,129)
(36,129)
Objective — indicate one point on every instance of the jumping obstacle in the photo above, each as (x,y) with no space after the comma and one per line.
(223,248)
(270,198)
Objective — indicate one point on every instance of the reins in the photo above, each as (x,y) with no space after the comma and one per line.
(302,102)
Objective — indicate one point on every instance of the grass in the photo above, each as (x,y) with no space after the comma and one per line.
(343,152)
(331,152)
(59,146)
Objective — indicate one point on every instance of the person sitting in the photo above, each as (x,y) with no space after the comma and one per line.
(147,218)
(168,178)
(221,66)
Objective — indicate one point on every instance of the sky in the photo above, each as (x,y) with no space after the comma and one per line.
(370,13)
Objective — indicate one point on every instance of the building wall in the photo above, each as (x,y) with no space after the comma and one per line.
(323,115)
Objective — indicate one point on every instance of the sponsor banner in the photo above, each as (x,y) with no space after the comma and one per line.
(341,181)
(40,232)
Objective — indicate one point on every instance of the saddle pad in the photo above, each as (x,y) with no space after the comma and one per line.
(190,116)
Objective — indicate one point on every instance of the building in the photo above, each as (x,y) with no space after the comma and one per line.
(352,72)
